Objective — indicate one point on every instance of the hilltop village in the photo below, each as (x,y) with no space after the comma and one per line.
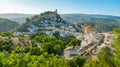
(92,41)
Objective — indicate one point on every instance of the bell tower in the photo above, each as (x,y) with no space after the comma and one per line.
(56,11)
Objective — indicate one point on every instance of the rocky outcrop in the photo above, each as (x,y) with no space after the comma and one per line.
(48,22)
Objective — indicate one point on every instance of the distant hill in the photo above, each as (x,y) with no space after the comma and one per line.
(7,25)
(14,15)
(83,18)
(100,22)
(20,18)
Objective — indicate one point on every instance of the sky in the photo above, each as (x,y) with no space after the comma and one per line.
(104,7)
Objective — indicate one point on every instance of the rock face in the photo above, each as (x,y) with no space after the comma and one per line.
(49,22)
(45,19)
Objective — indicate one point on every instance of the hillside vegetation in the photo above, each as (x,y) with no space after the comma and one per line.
(49,54)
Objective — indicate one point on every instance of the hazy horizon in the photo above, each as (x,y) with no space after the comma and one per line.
(102,7)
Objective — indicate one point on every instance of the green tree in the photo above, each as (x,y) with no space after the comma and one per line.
(74,42)
(106,57)
(5,45)
(79,60)
(56,34)
(6,33)
(72,63)
(55,47)
(27,19)
(117,47)
(36,51)
(95,63)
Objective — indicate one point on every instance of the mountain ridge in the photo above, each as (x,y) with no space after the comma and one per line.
(74,17)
